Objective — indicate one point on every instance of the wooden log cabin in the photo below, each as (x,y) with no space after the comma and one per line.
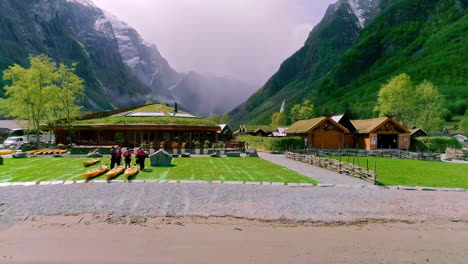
(131,127)
(340,132)
(321,133)
(381,133)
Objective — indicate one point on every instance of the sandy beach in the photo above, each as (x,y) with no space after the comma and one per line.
(95,238)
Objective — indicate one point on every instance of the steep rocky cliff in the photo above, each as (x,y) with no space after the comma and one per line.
(119,68)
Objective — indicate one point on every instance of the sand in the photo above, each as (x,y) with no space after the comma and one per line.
(103,238)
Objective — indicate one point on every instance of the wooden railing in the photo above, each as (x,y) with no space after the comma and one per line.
(394,154)
(350,169)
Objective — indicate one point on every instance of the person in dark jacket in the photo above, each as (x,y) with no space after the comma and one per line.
(113,154)
(140,156)
(127,158)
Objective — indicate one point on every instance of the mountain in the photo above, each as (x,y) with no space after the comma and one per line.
(360,44)
(205,95)
(120,69)
(67,31)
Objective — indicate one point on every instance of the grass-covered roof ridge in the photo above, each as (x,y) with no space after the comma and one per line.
(303,126)
(109,118)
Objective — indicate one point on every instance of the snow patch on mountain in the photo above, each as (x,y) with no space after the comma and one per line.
(87,3)
(358,11)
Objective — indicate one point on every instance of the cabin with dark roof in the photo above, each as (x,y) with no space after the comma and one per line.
(320,133)
(381,133)
(155,123)
(225,134)
(256,130)
(418,132)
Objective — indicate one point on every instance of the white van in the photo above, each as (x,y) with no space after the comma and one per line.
(17,138)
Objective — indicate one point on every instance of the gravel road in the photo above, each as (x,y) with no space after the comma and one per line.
(243,201)
(322,175)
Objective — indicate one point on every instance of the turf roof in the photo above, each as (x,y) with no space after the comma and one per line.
(303,126)
(147,120)
(367,125)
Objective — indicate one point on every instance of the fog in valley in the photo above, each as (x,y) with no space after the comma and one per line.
(239,39)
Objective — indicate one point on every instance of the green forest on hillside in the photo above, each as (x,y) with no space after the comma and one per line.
(426,39)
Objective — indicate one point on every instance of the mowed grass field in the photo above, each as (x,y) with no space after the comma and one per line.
(195,169)
(417,172)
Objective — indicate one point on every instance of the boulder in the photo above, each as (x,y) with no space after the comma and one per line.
(160,159)
(186,155)
(215,155)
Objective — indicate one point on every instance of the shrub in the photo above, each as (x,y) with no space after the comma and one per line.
(207,144)
(438,144)
(273,144)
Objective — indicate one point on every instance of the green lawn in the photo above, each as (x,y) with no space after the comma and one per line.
(206,169)
(417,172)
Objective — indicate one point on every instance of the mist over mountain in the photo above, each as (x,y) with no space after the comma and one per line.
(119,67)
(361,44)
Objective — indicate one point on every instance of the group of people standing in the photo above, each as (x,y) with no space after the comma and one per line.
(117,154)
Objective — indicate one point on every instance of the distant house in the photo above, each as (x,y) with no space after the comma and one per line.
(321,133)
(255,130)
(261,131)
(418,132)
(384,132)
(281,132)
(225,134)
(345,121)
(460,137)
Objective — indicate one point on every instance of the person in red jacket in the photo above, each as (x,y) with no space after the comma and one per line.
(127,158)
(140,157)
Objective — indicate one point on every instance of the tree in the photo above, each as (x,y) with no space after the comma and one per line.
(214,118)
(429,105)
(66,93)
(464,123)
(224,118)
(412,105)
(273,118)
(29,91)
(43,92)
(281,119)
(303,111)
(397,98)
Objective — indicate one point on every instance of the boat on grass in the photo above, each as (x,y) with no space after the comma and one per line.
(95,172)
(114,172)
(131,172)
(91,162)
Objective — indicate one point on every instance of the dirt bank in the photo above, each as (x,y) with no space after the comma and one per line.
(102,238)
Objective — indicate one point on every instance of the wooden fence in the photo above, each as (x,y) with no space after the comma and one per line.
(394,154)
(350,169)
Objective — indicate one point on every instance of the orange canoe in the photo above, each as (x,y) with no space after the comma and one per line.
(114,172)
(131,171)
(91,162)
(95,172)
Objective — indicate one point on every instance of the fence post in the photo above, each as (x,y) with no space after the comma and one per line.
(367,164)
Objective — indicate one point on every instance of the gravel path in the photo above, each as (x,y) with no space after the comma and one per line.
(244,201)
(322,175)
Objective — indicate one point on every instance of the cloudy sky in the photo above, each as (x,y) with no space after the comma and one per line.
(242,39)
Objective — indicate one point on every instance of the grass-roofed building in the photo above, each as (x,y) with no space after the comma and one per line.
(154,123)
(379,133)
(321,133)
